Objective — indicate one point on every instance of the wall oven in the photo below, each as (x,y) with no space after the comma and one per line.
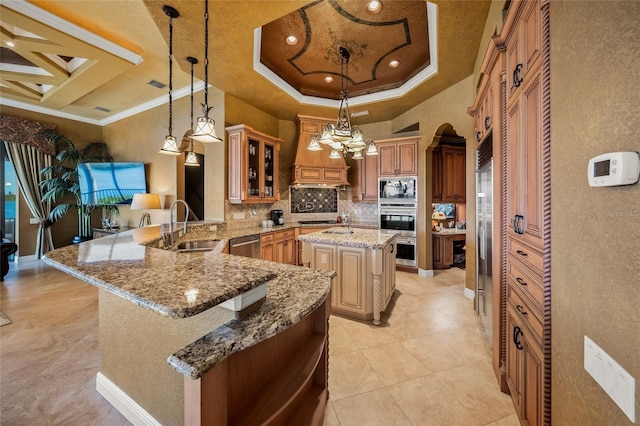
(401,219)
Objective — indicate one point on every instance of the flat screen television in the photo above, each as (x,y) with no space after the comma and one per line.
(110,183)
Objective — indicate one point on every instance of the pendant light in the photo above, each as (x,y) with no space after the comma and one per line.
(206,130)
(170,146)
(191,160)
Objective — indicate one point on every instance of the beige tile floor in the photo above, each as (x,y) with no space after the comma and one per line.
(428,364)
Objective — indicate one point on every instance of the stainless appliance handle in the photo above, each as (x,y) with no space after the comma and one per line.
(483,243)
(245,243)
(410,212)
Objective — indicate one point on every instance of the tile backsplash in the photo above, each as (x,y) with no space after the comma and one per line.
(313,200)
(253,214)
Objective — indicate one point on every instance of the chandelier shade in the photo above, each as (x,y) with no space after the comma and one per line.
(342,137)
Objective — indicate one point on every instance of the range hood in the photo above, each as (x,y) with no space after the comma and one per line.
(315,167)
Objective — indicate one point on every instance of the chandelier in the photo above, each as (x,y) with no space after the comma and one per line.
(341,136)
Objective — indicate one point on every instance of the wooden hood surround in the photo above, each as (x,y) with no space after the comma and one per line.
(315,167)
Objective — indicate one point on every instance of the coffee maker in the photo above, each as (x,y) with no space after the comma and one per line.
(277,217)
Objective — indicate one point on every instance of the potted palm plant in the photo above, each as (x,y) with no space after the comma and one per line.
(61,184)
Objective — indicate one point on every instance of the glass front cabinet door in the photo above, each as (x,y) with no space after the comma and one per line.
(253,166)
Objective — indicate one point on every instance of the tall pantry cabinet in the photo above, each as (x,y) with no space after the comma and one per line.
(524,249)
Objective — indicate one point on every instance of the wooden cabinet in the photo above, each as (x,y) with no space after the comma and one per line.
(279,246)
(443,249)
(284,246)
(389,271)
(436,175)
(365,180)
(525,283)
(299,245)
(454,184)
(267,246)
(254,161)
(279,381)
(449,179)
(525,367)
(365,279)
(398,157)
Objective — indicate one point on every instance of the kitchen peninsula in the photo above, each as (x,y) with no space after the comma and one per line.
(170,354)
(365,263)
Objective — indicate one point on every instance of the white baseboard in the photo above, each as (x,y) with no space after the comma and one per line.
(426,273)
(469,294)
(123,402)
(26,258)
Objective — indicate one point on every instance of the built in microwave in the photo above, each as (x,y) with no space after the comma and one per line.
(397,189)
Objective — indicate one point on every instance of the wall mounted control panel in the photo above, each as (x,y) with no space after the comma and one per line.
(614,168)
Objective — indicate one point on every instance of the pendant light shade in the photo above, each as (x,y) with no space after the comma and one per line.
(191,160)
(170,145)
(206,128)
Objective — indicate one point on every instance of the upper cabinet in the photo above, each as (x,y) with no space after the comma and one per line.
(398,157)
(253,166)
(449,174)
(365,179)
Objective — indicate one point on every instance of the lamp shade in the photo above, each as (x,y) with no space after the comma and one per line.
(145,201)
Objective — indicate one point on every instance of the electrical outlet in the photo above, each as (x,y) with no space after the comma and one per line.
(240,215)
(33,221)
(213,228)
(616,382)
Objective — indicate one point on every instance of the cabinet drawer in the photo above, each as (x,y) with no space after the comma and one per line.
(528,315)
(526,254)
(519,276)
(266,238)
(285,234)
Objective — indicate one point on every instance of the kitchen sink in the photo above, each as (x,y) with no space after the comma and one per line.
(200,245)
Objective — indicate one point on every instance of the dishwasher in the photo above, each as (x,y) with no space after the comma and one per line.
(245,246)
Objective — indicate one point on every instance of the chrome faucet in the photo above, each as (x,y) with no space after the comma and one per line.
(346,217)
(184,224)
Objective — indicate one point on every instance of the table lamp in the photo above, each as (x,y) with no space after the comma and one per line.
(145,202)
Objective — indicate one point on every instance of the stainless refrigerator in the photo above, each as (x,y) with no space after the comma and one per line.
(484,226)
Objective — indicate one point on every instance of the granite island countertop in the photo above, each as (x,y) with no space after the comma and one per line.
(364,238)
(128,265)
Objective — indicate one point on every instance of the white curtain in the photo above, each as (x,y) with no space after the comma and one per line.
(28,161)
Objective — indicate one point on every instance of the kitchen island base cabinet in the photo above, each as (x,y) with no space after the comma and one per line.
(282,380)
(365,278)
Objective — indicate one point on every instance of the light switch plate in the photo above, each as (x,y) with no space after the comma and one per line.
(611,377)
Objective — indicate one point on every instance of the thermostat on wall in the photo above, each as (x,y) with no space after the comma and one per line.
(613,169)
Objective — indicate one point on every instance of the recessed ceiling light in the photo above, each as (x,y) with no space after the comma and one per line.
(291,40)
(11,44)
(374,6)
(328,79)
(394,64)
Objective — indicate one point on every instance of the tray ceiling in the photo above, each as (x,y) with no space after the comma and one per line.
(119,46)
